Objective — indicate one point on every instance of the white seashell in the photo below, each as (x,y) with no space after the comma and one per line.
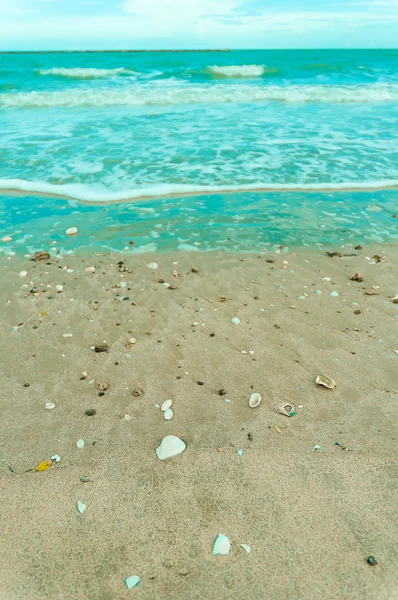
(80,444)
(285,408)
(23,273)
(254,400)
(127,417)
(334,294)
(132,340)
(170,446)
(166,404)
(65,335)
(56,457)
(71,231)
(222,545)
(90,270)
(246,548)
(153,266)
(81,507)
(168,414)
(326,381)
(131,582)
(49,405)
(235,321)
(59,288)
(6,238)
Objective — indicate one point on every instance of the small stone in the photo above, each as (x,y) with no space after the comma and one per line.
(138,392)
(72,231)
(23,273)
(357,312)
(90,412)
(59,288)
(222,392)
(101,348)
(195,270)
(371,561)
(90,270)
(200,382)
(49,405)
(40,256)
(102,386)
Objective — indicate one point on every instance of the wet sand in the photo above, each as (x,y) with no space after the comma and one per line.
(311,517)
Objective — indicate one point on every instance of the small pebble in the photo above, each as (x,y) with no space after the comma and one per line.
(371,561)
(90,412)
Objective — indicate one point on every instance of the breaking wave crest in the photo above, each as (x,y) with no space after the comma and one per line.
(237,71)
(202,94)
(89,73)
(100,195)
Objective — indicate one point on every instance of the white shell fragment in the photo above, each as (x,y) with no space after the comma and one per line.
(56,457)
(168,414)
(235,321)
(90,270)
(131,582)
(222,545)
(254,400)
(334,294)
(59,288)
(166,404)
(132,340)
(49,405)
(80,444)
(284,408)
(23,273)
(326,381)
(81,507)
(170,446)
(71,231)
(153,266)
(246,548)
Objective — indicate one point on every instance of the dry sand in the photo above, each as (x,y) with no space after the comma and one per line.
(310,517)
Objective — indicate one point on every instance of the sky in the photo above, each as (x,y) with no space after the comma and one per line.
(191,24)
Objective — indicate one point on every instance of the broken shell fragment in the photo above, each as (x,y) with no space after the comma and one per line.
(254,400)
(235,321)
(284,408)
(168,414)
(131,582)
(166,405)
(153,266)
(40,256)
(326,381)
(102,387)
(246,548)
(222,545)
(49,405)
(170,446)
(81,507)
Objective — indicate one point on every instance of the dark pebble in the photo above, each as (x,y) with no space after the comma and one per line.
(26,384)
(101,393)
(371,561)
(357,312)
(222,392)
(90,412)
(212,335)
(200,382)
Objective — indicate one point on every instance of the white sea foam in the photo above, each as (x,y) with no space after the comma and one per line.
(87,73)
(99,194)
(202,94)
(237,71)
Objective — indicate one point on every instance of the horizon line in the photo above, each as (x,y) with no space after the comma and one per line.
(121,51)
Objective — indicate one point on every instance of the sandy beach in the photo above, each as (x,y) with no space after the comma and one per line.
(312,495)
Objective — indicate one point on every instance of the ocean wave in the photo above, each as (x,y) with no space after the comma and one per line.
(100,195)
(202,94)
(237,70)
(88,73)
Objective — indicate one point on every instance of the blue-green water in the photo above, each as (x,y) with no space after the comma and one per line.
(102,127)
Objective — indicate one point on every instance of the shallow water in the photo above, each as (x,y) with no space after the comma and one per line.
(237,222)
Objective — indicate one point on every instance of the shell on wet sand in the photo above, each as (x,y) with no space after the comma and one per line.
(166,404)
(254,400)
(170,446)
(168,414)
(326,381)
(222,545)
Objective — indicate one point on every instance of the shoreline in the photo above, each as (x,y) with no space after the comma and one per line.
(130,197)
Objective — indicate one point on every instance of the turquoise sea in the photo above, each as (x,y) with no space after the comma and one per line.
(240,150)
